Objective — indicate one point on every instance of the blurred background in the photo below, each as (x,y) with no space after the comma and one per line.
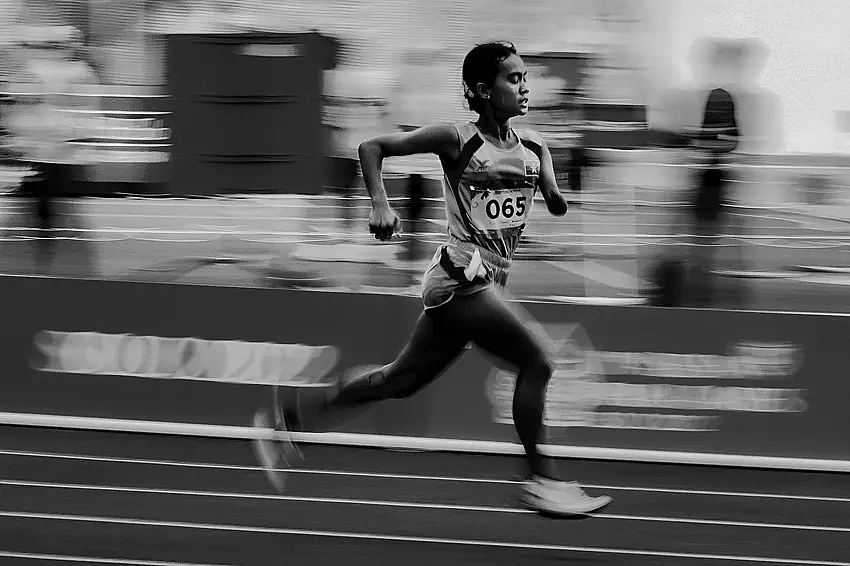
(704,144)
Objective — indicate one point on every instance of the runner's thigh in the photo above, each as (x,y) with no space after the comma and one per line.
(488,322)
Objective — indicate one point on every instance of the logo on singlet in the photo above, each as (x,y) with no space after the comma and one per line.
(480,165)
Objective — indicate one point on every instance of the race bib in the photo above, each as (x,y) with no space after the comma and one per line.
(501,209)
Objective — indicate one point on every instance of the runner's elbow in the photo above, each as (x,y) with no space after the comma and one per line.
(370,150)
(557,204)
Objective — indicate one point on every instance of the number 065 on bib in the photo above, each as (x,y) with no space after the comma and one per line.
(498,210)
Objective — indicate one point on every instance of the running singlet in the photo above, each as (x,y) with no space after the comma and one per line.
(489,196)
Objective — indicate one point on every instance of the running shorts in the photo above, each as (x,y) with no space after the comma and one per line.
(462,268)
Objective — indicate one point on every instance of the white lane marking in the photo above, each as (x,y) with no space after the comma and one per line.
(422,443)
(605,301)
(95,559)
(414,539)
(710,493)
(236,216)
(826,279)
(410,505)
(417,477)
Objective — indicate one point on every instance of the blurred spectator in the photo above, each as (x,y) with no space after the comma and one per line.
(53,78)
(712,141)
(741,123)
(578,160)
(703,120)
(355,110)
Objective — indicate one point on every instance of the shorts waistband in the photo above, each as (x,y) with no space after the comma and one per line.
(490,257)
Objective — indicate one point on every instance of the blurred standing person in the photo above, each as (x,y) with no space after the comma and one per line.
(355,108)
(578,161)
(698,123)
(758,124)
(418,101)
(671,121)
(713,143)
(52,71)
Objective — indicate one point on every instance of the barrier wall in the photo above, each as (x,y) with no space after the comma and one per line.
(240,123)
(711,383)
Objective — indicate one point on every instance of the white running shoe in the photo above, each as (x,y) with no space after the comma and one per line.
(560,498)
(275,456)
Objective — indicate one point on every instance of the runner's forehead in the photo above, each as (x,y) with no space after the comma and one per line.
(512,65)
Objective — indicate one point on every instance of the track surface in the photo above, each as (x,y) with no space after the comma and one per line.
(136,499)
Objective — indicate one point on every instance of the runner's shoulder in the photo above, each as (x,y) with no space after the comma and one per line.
(444,138)
(531,135)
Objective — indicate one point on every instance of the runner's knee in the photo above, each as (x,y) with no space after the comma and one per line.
(531,385)
(537,367)
(533,364)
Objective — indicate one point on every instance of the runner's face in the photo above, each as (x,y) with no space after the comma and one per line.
(509,93)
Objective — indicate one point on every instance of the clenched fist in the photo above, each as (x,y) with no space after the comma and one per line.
(384,222)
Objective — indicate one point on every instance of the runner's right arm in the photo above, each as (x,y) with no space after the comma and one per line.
(441,140)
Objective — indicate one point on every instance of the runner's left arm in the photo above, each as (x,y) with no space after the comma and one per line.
(555,201)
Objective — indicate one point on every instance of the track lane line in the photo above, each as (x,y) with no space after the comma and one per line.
(415,539)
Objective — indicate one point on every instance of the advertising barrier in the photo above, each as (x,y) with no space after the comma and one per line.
(674,380)
(660,381)
(175,353)
(239,123)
